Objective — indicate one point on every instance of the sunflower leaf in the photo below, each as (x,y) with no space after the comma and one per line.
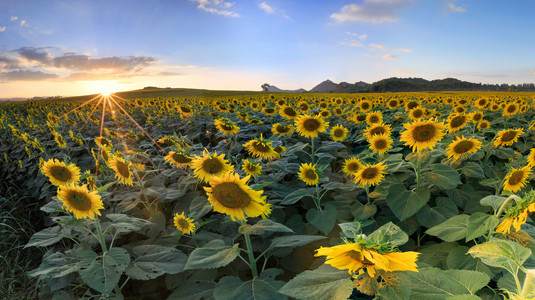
(323,220)
(153,260)
(325,282)
(47,237)
(104,271)
(406,203)
(263,287)
(480,223)
(215,254)
(443,176)
(295,240)
(262,226)
(500,253)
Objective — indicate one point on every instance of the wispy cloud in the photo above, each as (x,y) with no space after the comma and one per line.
(351,43)
(389,56)
(406,50)
(361,37)
(377,47)
(2,29)
(454,8)
(371,11)
(218,7)
(26,75)
(14,18)
(23,23)
(267,8)
(532,73)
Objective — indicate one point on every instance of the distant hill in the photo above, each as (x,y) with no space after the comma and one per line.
(275,89)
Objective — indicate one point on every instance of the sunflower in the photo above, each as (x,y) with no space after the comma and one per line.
(370,175)
(456,122)
(411,105)
(476,116)
(325,113)
(106,155)
(422,134)
(269,111)
(210,166)
(279,150)
(338,133)
(288,113)
(178,159)
(226,126)
(307,173)
(122,169)
(260,148)
(232,196)
(59,140)
(416,113)
(374,117)
(376,129)
(183,223)
(365,105)
(484,124)
(303,106)
(482,103)
(355,257)
(103,142)
(459,109)
(392,103)
(282,130)
(309,126)
(462,146)
(80,201)
(507,137)
(516,179)
(351,166)
(380,143)
(510,109)
(531,158)
(59,173)
(251,168)
(517,214)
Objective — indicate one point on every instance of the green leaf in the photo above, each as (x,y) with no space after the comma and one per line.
(443,176)
(432,216)
(363,211)
(458,258)
(215,254)
(104,271)
(263,287)
(152,261)
(262,226)
(325,282)
(124,224)
(502,254)
(46,237)
(389,234)
(323,220)
(297,195)
(350,229)
(479,224)
(473,281)
(57,264)
(348,186)
(464,297)
(473,170)
(330,146)
(494,201)
(436,254)
(452,230)
(405,203)
(193,289)
(491,182)
(295,240)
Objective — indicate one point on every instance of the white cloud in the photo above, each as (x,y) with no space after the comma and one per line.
(218,7)
(265,7)
(406,50)
(351,43)
(13,18)
(388,56)
(361,37)
(452,7)
(377,47)
(23,23)
(2,29)
(371,11)
(532,73)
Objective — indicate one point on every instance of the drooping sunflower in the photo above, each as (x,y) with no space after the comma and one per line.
(307,173)
(282,130)
(261,148)
(355,257)
(279,150)
(507,137)
(339,133)
(59,140)
(59,173)
(457,121)
(103,142)
(178,159)
(517,214)
(232,196)
(183,223)
(374,117)
(310,127)
(462,147)
(288,112)
(510,109)
(210,166)
(380,143)
(370,175)
(251,168)
(376,129)
(422,134)
(351,166)
(80,201)
(122,168)
(226,126)
(516,179)
(484,124)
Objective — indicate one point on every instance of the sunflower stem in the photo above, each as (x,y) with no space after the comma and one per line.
(368,194)
(101,239)
(312,154)
(502,207)
(318,199)
(252,260)
(417,173)
(528,283)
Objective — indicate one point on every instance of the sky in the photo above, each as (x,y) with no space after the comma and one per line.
(74,47)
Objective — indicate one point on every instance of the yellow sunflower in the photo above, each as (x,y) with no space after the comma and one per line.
(516,179)
(178,159)
(122,168)
(103,142)
(282,130)
(416,113)
(232,196)
(339,133)
(456,122)
(365,105)
(374,117)
(370,175)
(279,150)
(80,201)
(422,134)
(484,124)
(355,257)
(269,111)
(59,140)
(351,166)
(308,126)
(183,223)
(476,116)
(507,137)
(260,148)
(376,129)
(531,158)
(226,126)
(462,146)
(307,173)
(210,166)
(517,214)
(251,168)
(510,110)
(482,103)
(380,143)
(392,103)
(59,173)
(288,112)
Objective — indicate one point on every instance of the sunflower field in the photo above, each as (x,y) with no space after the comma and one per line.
(270,196)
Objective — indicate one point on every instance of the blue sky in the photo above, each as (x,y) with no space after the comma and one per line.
(81,47)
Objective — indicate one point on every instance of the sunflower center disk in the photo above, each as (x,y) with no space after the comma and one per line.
(370,173)
(261,147)
(424,133)
(231,195)
(310,174)
(122,168)
(183,223)
(516,177)
(180,158)
(463,147)
(79,201)
(338,133)
(61,173)
(226,127)
(212,166)
(377,131)
(353,167)
(311,124)
(380,144)
(508,136)
(457,121)
(290,112)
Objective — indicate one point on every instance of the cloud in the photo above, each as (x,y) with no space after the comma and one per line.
(532,73)
(377,47)
(389,56)
(265,7)
(32,54)
(351,43)
(218,7)
(8,62)
(361,37)
(26,75)
(2,29)
(406,50)
(371,11)
(13,18)
(23,23)
(452,7)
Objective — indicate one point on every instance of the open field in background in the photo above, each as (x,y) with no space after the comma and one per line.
(197,194)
